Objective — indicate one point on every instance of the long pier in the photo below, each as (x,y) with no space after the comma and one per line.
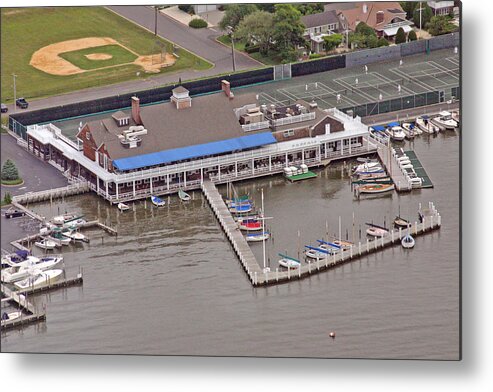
(232,230)
(50,194)
(23,304)
(430,220)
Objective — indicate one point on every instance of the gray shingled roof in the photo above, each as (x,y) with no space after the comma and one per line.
(321,19)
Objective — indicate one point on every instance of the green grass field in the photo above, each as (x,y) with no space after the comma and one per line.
(25,30)
(119,56)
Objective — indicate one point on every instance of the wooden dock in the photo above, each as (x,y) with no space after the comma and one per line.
(33,315)
(392,167)
(232,231)
(55,285)
(50,194)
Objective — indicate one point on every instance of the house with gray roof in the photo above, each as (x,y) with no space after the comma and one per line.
(318,26)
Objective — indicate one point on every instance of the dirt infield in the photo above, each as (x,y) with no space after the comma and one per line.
(47,59)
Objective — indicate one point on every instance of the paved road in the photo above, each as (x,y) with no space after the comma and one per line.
(199,41)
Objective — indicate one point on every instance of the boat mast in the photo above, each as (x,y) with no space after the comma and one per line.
(263,227)
(340,237)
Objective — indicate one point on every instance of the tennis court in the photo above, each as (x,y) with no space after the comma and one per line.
(378,82)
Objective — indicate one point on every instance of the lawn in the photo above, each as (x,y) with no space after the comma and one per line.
(272,58)
(25,30)
(118,55)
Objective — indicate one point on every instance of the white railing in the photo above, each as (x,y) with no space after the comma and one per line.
(255,126)
(57,133)
(293,119)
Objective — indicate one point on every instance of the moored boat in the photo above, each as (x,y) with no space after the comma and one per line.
(184,196)
(395,132)
(408,242)
(444,121)
(39,279)
(289,262)
(241,209)
(123,207)
(374,188)
(409,130)
(157,201)
(24,269)
(10,316)
(61,219)
(257,237)
(249,224)
(46,244)
(401,222)
(424,123)
(75,235)
(376,231)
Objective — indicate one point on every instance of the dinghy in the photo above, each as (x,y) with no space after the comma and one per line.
(374,188)
(157,201)
(184,196)
(332,247)
(241,209)
(289,262)
(408,242)
(46,244)
(39,279)
(401,222)
(249,224)
(123,207)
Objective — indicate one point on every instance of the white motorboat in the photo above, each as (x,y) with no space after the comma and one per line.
(123,207)
(39,279)
(257,237)
(396,133)
(409,130)
(426,125)
(10,316)
(25,269)
(75,235)
(157,201)
(444,121)
(77,222)
(289,262)
(367,168)
(61,219)
(46,244)
(456,116)
(408,242)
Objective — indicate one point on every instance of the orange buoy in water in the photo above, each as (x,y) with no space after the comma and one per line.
(332,335)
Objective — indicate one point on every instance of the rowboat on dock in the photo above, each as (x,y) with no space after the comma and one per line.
(157,201)
(376,231)
(123,207)
(257,237)
(424,123)
(289,262)
(374,188)
(39,279)
(46,244)
(408,242)
(184,196)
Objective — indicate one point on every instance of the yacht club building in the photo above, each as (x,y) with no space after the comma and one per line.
(159,149)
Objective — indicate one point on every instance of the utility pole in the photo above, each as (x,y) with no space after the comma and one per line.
(15,94)
(155,20)
(420,16)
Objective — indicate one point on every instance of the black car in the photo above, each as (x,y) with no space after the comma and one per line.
(4,108)
(22,103)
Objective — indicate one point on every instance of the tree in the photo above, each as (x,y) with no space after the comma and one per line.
(235,13)
(309,8)
(332,41)
(426,15)
(440,25)
(409,7)
(412,36)
(371,41)
(400,37)
(382,42)
(9,171)
(7,198)
(288,30)
(257,28)
(363,28)
(267,7)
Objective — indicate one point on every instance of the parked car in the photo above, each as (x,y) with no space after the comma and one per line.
(22,103)
(4,109)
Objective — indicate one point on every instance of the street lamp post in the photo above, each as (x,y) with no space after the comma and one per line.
(155,20)
(230,32)
(15,93)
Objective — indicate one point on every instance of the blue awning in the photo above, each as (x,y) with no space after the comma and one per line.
(378,128)
(393,124)
(200,150)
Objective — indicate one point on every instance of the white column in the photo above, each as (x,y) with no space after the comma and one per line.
(287,163)
(97,184)
(303,156)
(202,174)
(236,169)
(253,166)
(150,183)
(167,181)
(349,146)
(133,186)
(342,146)
(219,172)
(106,185)
(185,178)
(116,190)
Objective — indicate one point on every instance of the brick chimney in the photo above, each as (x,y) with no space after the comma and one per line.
(225,86)
(136,110)
(379,17)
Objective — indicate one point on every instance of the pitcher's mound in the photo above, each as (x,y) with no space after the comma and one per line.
(98,56)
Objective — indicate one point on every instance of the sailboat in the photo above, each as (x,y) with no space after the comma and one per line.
(257,237)
(123,207)
(376,231)
(401,222)
(289,262)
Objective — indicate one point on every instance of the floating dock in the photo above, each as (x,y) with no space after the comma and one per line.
(33,315)
(304,176)
(419,169)
(392,168)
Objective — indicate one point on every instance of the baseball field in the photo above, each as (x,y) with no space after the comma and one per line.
(54,50)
